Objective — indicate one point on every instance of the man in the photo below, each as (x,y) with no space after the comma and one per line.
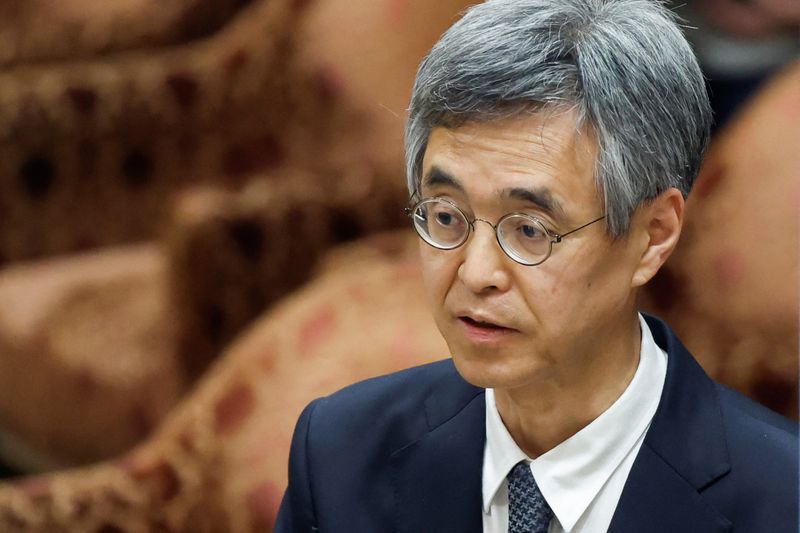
(550,147)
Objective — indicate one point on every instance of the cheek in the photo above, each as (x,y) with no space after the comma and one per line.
(604,288)
(439,269)
(550,285)
(561,295)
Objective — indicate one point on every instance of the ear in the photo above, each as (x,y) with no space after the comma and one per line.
(659,222)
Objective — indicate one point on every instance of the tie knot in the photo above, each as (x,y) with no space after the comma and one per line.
(528,512)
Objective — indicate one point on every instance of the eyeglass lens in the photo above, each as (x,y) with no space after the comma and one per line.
(444,226)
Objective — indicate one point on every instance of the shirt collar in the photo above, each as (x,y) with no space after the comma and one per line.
(572,474)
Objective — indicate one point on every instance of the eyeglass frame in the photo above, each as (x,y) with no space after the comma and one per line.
(555,238)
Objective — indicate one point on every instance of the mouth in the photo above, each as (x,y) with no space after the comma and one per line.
(481,324)
(483,331)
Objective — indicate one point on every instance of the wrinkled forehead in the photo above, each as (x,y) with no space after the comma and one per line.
(560,130)
(547,156)
(554,139)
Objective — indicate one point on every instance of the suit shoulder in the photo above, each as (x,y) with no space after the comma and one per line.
(392,406)
(415,381)
(744,416)
(762,447)
(760,492)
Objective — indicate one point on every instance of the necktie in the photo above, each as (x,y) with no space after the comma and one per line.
(528,511)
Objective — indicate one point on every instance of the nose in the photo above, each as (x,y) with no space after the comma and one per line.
(484,266)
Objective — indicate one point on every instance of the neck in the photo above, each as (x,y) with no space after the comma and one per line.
(541,415)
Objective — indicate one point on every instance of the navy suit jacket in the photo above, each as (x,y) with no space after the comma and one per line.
(403,453)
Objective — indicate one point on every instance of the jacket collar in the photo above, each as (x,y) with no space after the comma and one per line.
(438,477)
(684,452)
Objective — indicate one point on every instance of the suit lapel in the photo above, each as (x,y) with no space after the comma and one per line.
(684,452)
(438,477)
(657,499)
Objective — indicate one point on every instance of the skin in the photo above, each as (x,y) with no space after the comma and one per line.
(569,342)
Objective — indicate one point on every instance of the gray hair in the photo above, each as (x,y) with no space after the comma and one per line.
(622,66)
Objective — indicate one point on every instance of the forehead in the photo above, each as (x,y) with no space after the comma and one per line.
(545,153)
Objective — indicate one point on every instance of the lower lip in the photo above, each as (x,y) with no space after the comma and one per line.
(483,335)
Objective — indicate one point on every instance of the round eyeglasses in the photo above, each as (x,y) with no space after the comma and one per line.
(524,238)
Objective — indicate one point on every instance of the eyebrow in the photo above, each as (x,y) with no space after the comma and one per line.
(438,177)
(541,197)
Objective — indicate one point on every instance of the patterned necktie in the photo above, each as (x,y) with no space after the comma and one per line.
(528,511)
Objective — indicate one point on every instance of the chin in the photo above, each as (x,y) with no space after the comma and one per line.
(492,370)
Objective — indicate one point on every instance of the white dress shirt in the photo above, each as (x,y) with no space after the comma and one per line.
(581,478)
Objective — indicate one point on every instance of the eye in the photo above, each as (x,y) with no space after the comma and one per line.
(530,231)
(523,233)
(443,218)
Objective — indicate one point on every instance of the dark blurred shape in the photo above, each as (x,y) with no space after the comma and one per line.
(248,237)
(83,99)
(8,471)
(44,31)
(246,157)
(750,19)
(184,88)
(344,225)
(735,269)
(137,169)
(234,254)
(740,44)
(102,122)
(37,175)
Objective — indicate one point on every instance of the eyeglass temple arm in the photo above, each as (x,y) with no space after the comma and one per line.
(557,238)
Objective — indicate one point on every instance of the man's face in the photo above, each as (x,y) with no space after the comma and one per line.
(508,325)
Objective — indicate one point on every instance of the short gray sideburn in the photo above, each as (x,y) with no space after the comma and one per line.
(623,67)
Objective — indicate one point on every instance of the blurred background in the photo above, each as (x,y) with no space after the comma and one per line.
(201,230)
